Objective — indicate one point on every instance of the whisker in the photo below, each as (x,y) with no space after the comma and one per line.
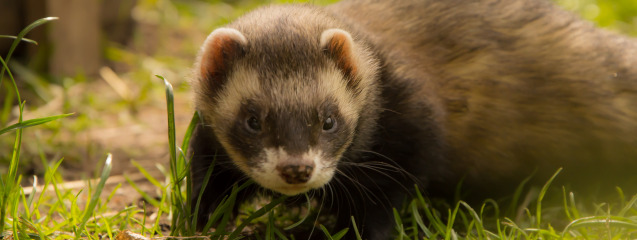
(380,168)
(393,165)
(362,189)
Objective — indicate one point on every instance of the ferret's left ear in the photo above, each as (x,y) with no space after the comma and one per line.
(339,46)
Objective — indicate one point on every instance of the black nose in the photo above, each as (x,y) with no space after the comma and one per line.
(295,173)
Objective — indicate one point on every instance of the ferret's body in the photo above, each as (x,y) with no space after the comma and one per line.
(518,86)
(363,99)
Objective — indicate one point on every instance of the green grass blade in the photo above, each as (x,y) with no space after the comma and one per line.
(147,175)
(339,234)
(327,233)
(109,231)
(269,230)
(574,210)
(510,223)
(225,208)
(23,39)
(32,122)
(418,219)
(144,195)
(225,205)
(622,197)
(34,191)
(399,225)
(191,128)
(170,107)
(565,205)
(309,207)
(437,223)
(358,234)
(476,218)
(262,211)
(20,37)
(630,205)
(178,209)
(9,181)
(516,195)
(200,195)
(49,179)
(538,210)
(496,211)
(5,113)
(602,222)
(156,226)
(96,195)
(104,207)
(26,214)
(449,232)
(280,235)
(183,158)
(15,86)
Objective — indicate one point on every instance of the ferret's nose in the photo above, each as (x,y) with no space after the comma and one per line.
(295,173)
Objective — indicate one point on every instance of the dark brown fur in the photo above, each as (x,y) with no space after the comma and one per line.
(518,86)
(486,92)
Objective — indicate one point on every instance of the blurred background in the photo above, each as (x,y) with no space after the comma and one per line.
(99,61)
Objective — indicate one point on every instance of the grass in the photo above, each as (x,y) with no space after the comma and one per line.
(50,211)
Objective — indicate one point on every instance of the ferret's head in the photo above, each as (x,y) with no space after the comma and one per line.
(286,95)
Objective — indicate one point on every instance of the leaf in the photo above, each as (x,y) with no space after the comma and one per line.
(358,235)
(23,39)
(175,167)
(538,210)
(418,219)
(32,122)
(96,195)
(602,222)
(260,212)
(21,36)
(339,234)
(309,206)
(327,233)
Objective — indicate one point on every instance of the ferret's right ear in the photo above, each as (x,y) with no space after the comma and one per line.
(222,47)
(339,45)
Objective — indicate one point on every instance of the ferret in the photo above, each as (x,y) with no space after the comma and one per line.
(358,102)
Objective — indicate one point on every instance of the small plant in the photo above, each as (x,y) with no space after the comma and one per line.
(9,182)
(30,222)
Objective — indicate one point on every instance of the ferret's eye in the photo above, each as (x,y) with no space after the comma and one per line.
(253,124)
(329,124)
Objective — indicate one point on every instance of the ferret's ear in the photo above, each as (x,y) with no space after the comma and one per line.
(339,46)
(222,47)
